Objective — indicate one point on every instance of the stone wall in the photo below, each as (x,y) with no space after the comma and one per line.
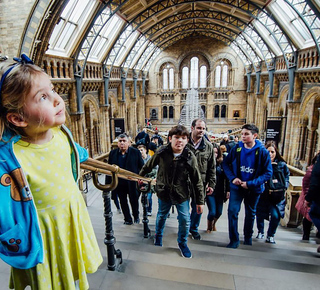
(14,15)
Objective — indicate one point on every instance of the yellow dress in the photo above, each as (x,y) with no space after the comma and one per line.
(70,245)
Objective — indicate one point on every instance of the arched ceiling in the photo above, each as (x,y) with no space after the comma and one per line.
(258,30)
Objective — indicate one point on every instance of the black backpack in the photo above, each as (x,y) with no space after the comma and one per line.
(276,185)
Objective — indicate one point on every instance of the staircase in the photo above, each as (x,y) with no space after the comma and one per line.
(289,264)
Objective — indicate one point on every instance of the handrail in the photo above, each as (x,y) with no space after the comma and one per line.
(108,169)
(296,171)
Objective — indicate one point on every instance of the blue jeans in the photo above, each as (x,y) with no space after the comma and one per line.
(273,222)
(215,206)
(194,218)
(183,218)
(149,198)
(250,202)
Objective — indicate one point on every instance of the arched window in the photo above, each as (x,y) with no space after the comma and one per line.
(165,112)
(203,108)
(216,111)
(170,112)
(171,79)
(223,111)
(217,77)
(203,76)
(221,75)
(165,79)
(185,77)
(194,72)
(224,76)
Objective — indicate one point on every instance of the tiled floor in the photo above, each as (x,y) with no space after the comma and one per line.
(290,264)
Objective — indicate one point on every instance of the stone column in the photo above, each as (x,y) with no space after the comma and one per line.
(291,137)
(177,112)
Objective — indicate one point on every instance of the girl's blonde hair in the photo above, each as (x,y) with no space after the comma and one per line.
(15,87)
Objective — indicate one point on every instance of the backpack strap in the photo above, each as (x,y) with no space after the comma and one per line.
(238,155)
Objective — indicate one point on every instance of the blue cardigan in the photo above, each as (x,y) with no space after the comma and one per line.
(21,244)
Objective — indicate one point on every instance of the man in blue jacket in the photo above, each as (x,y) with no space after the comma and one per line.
(248,167)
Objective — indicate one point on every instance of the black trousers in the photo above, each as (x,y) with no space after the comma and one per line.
(123,194)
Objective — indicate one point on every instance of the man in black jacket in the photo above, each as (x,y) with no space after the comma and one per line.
(313,195)
(127,158)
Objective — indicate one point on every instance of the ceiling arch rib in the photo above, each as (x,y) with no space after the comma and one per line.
(188,27)
(245,58)
(103,16)
(155,9)
(144,56)
(135,52)
(280,38)
(258,44)
(173,20)
(309,18)
(218,30)
(146,67)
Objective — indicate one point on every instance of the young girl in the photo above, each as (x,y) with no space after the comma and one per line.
(220,194)
(45,230)
(265,208)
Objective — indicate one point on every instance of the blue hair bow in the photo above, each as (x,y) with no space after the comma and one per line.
(23,60)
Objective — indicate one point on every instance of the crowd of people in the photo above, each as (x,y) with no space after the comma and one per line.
(43,213)
(239,171)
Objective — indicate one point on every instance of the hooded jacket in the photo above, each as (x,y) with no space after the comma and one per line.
(255,174)
(206,161)
(21,243)
(176,175)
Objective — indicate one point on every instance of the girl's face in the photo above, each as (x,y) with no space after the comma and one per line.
(272,153)
(215,152)
(143,151)
(43,108)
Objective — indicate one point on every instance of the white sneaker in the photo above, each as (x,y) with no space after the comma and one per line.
(260,236)
(270,240)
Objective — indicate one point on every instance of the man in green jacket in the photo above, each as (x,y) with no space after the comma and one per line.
(203,150)
(178,174)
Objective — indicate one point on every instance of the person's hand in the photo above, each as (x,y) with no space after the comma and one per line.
(199,208)
(209,190)
(228,195)
(141,184)
(244,185)
(237,181)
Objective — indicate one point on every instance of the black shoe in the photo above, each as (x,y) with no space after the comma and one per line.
(128,223)
(248,241)
(233,245)
(196,236)
(137,221)
(305,237)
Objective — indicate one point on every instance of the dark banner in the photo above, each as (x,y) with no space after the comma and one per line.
(118,127)
(273,130)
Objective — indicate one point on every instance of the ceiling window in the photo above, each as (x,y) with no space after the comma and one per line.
(67,31)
